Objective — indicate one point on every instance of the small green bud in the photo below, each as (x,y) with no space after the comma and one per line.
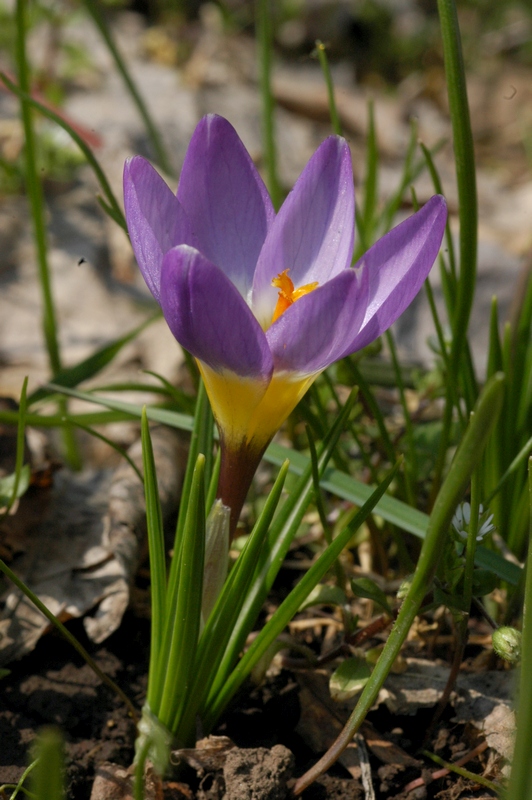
(404,587)
(507,643)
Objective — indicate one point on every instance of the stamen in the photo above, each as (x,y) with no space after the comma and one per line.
(287,294)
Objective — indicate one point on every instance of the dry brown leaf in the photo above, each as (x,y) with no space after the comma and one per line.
(84,552)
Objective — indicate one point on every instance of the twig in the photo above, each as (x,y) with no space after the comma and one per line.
(365,768)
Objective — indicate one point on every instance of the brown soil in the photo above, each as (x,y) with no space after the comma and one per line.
(54,686)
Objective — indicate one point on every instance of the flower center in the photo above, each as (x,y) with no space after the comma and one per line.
(287,294)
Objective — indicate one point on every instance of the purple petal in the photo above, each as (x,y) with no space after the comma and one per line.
(155,219)
(209,317)
(398,265)
(313,233)
(312,333)
(226,201)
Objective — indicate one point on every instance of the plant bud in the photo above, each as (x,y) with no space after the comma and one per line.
(507,643)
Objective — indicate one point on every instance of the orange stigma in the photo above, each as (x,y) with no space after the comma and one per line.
(287,294)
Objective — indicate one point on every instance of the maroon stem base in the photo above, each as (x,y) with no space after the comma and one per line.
(238,466)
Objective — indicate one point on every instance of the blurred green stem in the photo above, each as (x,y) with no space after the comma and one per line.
(264,39)
(465,174)
(521,778)
(34,189)
(36,200)
(324,64)
(468,216)
(151,128)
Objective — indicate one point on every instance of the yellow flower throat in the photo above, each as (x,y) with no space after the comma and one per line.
(287,294)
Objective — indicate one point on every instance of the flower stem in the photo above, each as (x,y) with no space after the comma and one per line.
(237,469)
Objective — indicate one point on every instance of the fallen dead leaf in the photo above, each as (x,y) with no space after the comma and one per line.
(84,551)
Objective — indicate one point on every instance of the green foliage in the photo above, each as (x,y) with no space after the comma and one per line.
(198,661)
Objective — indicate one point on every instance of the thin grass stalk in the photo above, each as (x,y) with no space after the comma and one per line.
(198,440)
(520,785)
(34,189)
(465,174)
(351,427)
(177,675)
(90,366)
(321,53)
(320,505)
(408,174)
(47,779)
(117,214)
(439,190)
(466,460)
(153,133)
(371,180)
(19,787)
(263,22)
(372,406)
(474,777)
(411,459)
(21,441)
(154,524)
(36,200)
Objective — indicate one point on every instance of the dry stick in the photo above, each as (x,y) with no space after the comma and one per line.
(353,640)
(441,773)
(365,767)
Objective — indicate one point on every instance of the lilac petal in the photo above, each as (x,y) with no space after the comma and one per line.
(209,317)
(226,201)
(398,265)
(155,219)
(312,333)
(313,233)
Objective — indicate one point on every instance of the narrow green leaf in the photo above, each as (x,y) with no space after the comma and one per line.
(324,595)
(365,587)
(184,626)
(154,524)
(280,535)
(467,458)
(289,606)
(321,53)
(156,139)
(12,487)
(371,179)
(222,619)
(392,510)
(111,206)
(48,776)
(521,776)
(90,366)
(264,34)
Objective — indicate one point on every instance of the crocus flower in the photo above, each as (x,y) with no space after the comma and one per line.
(265,301)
